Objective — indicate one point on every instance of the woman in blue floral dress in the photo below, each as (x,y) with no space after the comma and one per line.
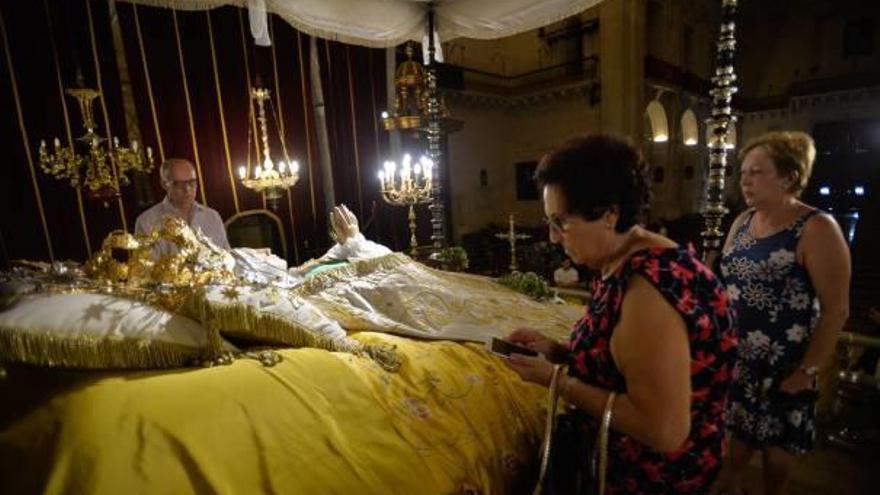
(786,266)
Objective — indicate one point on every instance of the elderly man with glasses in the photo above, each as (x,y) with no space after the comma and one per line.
(180,183)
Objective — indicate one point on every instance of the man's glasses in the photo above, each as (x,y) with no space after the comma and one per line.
(184,184)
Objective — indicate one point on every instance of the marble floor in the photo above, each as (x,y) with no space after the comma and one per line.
(826,471)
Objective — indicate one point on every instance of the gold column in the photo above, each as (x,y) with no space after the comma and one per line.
(303,84)
(621,65)
(98,78)
(142,190)
(61,95)
(378,157)
(251,113)
(357,162)
(192,127)
(26,140)
(283,137)
(140,38)
(222,115)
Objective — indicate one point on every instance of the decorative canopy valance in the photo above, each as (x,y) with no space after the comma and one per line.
(384,23)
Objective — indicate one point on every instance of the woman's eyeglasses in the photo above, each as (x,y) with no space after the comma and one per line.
(557,222)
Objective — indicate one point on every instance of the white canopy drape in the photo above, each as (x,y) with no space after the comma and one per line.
(384,23)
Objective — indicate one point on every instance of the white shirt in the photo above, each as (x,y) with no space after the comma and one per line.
(201,218)
(565,276)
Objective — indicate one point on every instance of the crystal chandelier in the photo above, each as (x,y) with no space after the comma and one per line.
(105,169)
(270,179)
(411,186)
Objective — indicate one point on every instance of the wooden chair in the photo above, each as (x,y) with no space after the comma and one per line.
(257,229)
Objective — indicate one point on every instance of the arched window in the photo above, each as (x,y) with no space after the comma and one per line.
(659,125)
(690,133)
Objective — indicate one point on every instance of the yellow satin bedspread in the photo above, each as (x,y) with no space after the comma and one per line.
(317,423)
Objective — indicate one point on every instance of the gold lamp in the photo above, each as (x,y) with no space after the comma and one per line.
(105,168)
(410,110)
(270,179)
(408,186)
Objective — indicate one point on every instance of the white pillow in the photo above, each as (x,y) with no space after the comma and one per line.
(96,331)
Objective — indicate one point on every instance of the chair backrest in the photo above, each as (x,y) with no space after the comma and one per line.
(257,229)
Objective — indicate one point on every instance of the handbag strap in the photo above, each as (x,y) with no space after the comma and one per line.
(552,400)
(604,428)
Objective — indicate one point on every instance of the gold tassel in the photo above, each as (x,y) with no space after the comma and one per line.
(22,345)
(244,319)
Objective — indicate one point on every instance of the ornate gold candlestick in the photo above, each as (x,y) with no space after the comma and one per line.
(511,236)
(411,186)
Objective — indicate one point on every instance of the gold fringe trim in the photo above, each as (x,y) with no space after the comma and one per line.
(345,273)
(238,318)
(18,345)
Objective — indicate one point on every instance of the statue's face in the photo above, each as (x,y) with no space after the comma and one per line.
(181,184)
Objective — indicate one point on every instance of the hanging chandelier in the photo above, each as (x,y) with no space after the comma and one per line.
(265,177)
(104,168)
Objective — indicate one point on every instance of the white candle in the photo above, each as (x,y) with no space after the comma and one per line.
(57,142)
(242,172)
(281,167)
(294,167)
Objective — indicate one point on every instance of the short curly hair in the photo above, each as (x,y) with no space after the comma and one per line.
(597,172)
(792,152)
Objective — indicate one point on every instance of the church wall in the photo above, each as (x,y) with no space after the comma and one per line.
(781,50)
(800,71)
(519,53)
(806,111)
(496,139)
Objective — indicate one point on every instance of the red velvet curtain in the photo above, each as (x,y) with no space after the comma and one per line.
(353,80)
(44,43)
(190,74)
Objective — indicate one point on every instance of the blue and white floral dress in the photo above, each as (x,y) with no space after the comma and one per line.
(776,309)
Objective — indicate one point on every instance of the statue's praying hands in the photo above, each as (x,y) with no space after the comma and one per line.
(344,224)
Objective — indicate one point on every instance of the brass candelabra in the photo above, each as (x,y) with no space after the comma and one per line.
(103,169)
(270,179)
(408,186)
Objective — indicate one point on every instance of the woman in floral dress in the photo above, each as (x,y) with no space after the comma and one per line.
(787,267)
(658,330)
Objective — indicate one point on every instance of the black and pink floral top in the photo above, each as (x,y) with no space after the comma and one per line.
(694,291)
